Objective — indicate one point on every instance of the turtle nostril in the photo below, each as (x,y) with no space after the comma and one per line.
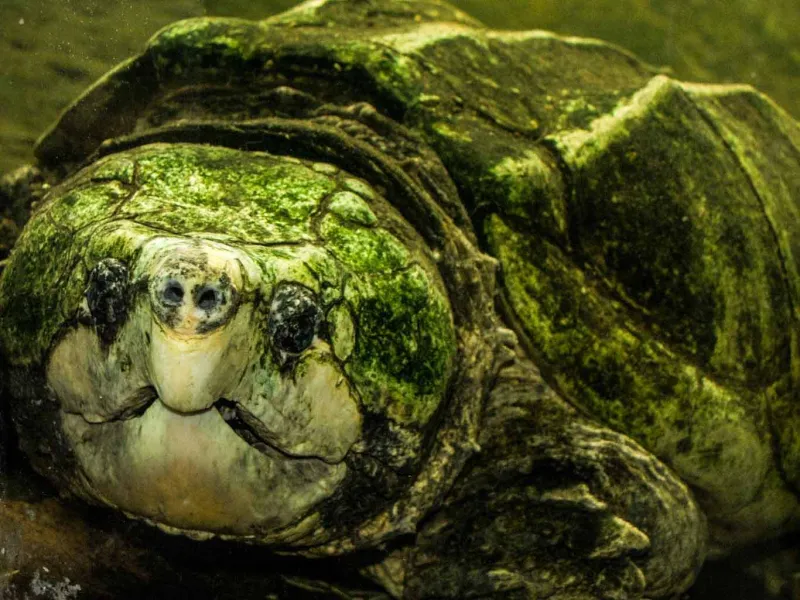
(173,293)
(208,299)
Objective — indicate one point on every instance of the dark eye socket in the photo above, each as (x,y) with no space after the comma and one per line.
(107,296)
(294,318)
(173,293)
(208,299)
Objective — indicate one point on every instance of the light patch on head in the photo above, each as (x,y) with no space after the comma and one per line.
(353,208)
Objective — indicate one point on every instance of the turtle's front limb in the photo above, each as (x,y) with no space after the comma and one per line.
(553,506)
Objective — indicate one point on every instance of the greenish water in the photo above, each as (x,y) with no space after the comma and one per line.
(52,49)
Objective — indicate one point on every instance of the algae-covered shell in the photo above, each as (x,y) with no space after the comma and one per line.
(649,258)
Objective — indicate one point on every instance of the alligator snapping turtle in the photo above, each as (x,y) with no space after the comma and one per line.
(513,310)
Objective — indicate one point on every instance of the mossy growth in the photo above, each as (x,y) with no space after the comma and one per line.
(601,356)
(405,348)
(363,249)
(690,249)
(352,207)
(45,279)
(245,196)
(191,48)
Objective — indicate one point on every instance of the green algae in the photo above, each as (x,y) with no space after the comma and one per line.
(249,197)
(601,357)
(353,208)
(363,249)
(405,347)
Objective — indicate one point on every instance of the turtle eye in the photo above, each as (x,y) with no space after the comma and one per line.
(107,296)
(294,318)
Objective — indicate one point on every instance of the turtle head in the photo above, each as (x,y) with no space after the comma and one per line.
(244,345)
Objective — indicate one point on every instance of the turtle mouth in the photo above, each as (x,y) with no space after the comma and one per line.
(137,405)
(237,419)
(205,472)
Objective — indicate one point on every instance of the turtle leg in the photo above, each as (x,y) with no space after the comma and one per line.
(553,506)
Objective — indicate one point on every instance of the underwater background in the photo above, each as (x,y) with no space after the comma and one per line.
(52,49)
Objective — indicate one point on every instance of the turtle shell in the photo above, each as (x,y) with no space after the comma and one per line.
(647,230)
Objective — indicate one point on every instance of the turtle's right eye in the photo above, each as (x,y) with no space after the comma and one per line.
(294,318)
(107,296)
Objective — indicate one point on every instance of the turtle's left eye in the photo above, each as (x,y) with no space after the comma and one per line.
(294,318)
(107,296)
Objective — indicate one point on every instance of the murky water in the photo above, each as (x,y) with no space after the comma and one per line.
(52,49)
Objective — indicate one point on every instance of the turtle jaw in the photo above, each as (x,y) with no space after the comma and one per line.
(248,462)
(233,413)
(194,473)
(238,419)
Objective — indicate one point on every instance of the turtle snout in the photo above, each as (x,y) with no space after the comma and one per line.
(197,336)
(193,302)
(208,297)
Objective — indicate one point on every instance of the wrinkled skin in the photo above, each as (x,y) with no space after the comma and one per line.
(363,291)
